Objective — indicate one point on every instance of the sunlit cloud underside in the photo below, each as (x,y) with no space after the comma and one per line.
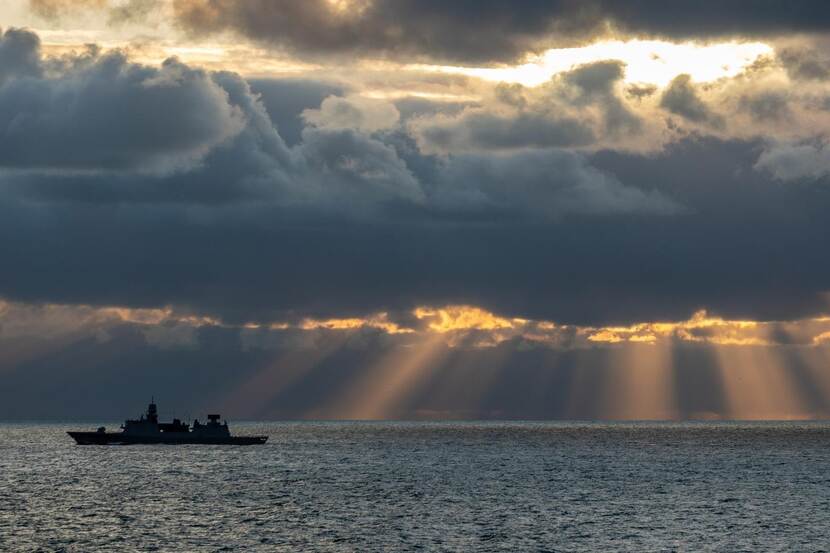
(460,355)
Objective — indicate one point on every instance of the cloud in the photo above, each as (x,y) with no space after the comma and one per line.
(176,133)
(209,139)
(456,324)
(477,129)
(762,102)
(589,107)
(598,83)
(596,79)
(431,29)
(344,166)
(118,11)
(578,108)
(19,55)
(787,161)
(767,105)
(354,112)
(105,113)
(132,11)
(54,9)
(405,28)
(806,63)
(681,98)
(286,99)
(413,107)
(640,91)
(548,183)
(710,19)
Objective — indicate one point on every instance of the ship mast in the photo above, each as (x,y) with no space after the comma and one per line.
(152,411)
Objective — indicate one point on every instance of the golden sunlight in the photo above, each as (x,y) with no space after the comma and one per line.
(638,384)
(462,317)
(389,383)
(647,61)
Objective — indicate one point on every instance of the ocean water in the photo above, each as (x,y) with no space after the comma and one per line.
(473,486)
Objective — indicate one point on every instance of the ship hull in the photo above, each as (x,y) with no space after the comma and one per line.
(119,438)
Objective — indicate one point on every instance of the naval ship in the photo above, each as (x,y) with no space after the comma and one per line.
(148,430)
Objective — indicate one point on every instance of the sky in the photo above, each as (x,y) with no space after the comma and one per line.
(412,209)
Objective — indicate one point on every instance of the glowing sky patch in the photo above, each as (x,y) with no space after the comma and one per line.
(647,61)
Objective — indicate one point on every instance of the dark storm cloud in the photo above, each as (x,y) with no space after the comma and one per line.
(762,261)
(453,30)
(106,113)
(688,19)
(725,255)
(444,29)
(552,183)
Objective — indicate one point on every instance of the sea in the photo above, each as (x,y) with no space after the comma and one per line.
(425,486)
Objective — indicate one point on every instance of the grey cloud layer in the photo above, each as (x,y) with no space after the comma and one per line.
(353,217)
(749,249)
(454,30)
(106,113)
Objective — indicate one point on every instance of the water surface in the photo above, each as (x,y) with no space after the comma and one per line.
(473,486)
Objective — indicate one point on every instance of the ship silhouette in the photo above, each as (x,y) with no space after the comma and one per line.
(148,430)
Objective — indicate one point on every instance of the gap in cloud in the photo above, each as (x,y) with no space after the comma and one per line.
(647,61)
